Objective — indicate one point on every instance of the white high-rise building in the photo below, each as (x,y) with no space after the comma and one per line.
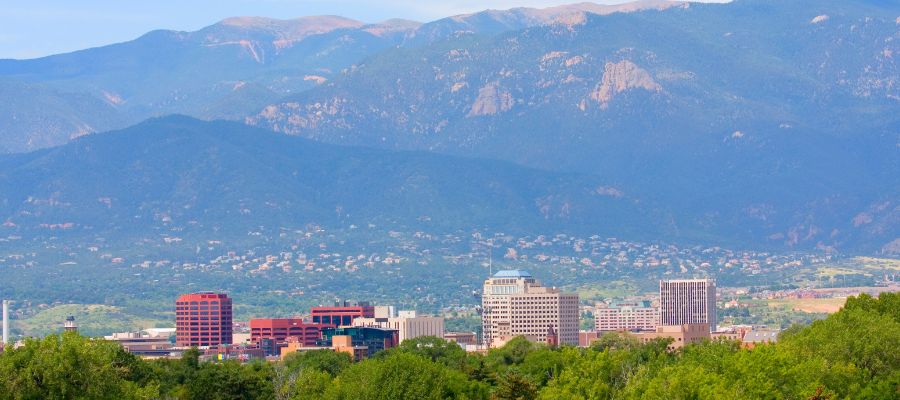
(687,301)
(515,304)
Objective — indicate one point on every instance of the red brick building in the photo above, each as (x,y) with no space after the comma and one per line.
(203,319)
(279,329)
(341,314)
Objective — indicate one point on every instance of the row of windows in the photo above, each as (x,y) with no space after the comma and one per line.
(202,335)
(203,328)
(284,329)
(203,321)
(205,314)
(200,308)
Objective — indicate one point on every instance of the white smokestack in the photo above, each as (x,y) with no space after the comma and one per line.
(5,322)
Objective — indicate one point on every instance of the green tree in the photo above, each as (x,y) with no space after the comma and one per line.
(231,380)
(515,386)
(401,375)
(615,341)
(328,361)
(306,384)
(69,366)
(436,349)
(307,375)
(513,353)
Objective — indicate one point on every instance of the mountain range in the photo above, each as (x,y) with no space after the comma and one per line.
(759,122)
(228,70)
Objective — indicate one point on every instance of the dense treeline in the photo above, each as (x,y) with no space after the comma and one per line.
(854,353)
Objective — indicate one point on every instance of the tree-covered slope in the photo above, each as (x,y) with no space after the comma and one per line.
(227,177)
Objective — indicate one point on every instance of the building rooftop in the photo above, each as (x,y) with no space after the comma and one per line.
(512,273)
(760,336)
(694,280)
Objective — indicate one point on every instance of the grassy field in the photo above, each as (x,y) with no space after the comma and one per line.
(832,272)
(809,305)
(92,320)
(879,263)
(856,271)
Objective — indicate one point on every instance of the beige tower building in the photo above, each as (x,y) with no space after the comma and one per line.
(687,301)
(515,304)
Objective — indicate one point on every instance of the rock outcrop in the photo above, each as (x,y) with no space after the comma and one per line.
(620,77)
(492,100)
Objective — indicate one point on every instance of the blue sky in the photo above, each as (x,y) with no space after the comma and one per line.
(36,28)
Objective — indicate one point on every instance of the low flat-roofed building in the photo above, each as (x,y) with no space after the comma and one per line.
(375,339)
(725,335)
(753,338)
(461,338)
(224,352)
(279,329)
(240,338)
(408,324)
(585,338)
(144,343)
(626,316)
(344,344)
(681,335)
(339,343)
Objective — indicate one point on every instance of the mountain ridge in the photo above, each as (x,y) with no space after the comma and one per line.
(168,71)
(227,177)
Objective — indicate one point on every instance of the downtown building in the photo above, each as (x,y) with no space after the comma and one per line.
(687,301)
(272,333)
(341,313)
(516,304)
(408,324)
(203,319)
(626,316)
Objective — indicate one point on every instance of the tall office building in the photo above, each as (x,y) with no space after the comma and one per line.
(515,304)
(687,301)
(626,316)
(203,319)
